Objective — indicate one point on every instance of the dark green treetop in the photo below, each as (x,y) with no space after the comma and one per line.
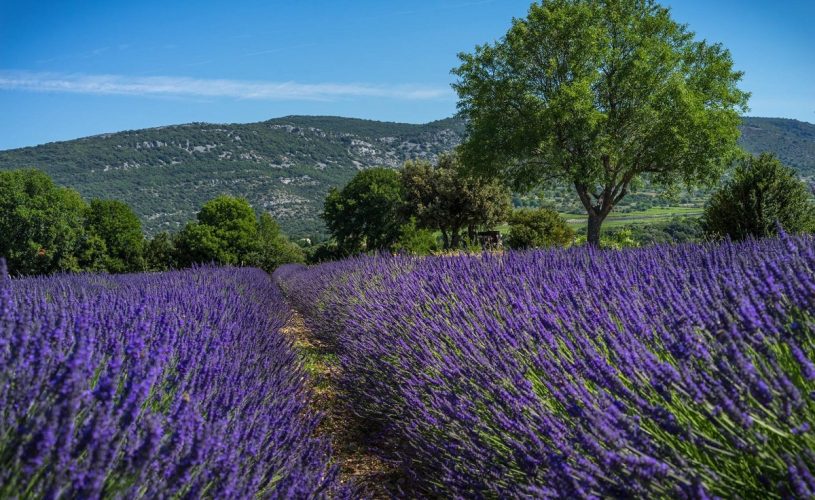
(365,215)
(761,195)
(226,233)
(445,197)
(115,223)
(42,225)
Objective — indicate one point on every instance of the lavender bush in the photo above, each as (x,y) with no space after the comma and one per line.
(680,371)
(174,384)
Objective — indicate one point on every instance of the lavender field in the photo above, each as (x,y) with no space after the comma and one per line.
(672,371)
(682,371)
(162,385)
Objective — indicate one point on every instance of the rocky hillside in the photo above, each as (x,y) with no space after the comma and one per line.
(285,165)
(792,140)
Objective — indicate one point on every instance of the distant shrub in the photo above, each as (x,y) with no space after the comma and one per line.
(416,241)
(762,195)
(539,227)
(676,230)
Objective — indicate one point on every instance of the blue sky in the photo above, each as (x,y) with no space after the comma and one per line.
(71,69)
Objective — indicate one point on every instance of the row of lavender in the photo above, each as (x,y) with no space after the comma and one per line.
(670,371)
(175,384)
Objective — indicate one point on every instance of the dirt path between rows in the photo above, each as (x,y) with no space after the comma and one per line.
(352,447)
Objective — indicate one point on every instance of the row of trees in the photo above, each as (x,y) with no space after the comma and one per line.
(411,209)
(384,209)
(47,228)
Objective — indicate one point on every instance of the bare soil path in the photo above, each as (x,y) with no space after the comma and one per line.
(353,448)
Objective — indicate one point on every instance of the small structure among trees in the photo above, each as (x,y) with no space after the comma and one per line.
(490,240)
(447,198)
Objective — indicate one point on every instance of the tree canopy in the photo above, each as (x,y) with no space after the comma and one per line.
(600,94)
(762,195)
(229,232)
(273,247)
(539,227)
(115,223)
(444,197)
(226,232)
(365,214)
(42,225)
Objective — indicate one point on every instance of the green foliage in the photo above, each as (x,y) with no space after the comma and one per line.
(197,244)
(166,174)
(598,95)
(273,247)
(159,253)
(323,252)
(792,141)
(761,194)
(618,240)
(93,253)
(673,231)
(365,214)
(415,240)
(119,228)
(540,227)
(613,240)
(446,198)
(42,225)
(234,224)
(228,232)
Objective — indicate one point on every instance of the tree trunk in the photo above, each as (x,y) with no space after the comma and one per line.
(456,240)
(593,232)
(446,239)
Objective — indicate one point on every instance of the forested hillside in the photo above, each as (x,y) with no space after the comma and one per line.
(284,166)
(792,141)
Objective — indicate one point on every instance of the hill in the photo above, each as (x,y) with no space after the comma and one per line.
(792,140)
(285,165)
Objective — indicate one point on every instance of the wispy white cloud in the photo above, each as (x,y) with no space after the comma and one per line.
(279,49)
(197,87)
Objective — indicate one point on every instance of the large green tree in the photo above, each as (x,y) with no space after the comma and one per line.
(444,197)
(761,195)
(226,232)
(119,227)
(41,224)
(365,214)
(600,94)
